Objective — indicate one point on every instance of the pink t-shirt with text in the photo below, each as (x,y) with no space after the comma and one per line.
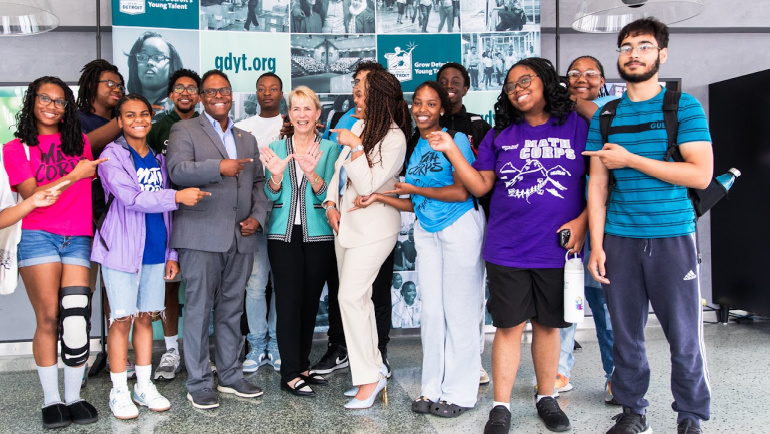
(71,214)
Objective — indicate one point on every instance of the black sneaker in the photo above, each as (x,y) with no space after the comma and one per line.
(499,421)
(552,415)
(336,357)
(688,427)
(629,422)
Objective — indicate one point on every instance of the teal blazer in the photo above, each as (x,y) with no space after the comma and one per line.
(315,227)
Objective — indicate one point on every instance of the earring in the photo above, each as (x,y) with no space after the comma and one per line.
(442,113)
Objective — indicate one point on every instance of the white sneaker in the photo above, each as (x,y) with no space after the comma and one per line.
(130,369)
(170,365)
(121,405)
(483,376)
(150,398)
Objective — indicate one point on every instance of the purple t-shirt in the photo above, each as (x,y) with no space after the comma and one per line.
(540,186)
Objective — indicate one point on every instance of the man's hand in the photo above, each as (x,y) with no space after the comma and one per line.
(231,167)
(249,226)
(612,155)
(172,269)
(596,265)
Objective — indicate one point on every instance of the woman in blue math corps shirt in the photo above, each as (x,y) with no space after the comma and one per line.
(448,236)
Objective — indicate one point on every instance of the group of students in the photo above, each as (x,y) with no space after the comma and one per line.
(489,202)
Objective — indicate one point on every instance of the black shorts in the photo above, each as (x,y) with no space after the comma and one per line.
(519,294)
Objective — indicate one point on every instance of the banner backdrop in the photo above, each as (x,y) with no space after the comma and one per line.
(318,43)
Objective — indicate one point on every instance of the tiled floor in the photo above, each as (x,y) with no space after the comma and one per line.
(738,357)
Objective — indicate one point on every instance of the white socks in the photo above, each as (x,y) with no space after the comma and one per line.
(507,405)
(539,397)
(172,342)
(143,374)
(119,380)
(73,379)
(49,380)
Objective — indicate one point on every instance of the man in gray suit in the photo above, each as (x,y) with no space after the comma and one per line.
(214,238)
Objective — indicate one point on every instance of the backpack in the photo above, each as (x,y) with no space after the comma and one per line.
(702,200)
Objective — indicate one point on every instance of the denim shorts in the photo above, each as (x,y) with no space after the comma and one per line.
(131,293)
(40,247)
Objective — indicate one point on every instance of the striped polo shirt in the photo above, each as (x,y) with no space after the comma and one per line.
(642,206)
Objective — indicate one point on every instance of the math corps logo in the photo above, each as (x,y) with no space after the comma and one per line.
(132,7)
(400,62)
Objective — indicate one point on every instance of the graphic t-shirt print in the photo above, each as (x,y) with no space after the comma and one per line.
(54,164)
(537,170)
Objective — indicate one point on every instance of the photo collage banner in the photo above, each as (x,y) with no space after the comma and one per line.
(318,43)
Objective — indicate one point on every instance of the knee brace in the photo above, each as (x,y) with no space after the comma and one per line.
(74,324)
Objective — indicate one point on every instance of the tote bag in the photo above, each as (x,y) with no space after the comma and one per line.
(9,237)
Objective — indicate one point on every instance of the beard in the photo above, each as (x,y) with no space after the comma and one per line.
(185,110)
(639,78)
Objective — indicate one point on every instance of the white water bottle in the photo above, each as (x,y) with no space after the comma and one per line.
(574,290)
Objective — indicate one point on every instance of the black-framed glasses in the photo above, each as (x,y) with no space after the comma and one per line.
(588,74)
(191,89)
(641,49)
(114,85)
(524,82)
(144,57)
(224,91)
(46,100)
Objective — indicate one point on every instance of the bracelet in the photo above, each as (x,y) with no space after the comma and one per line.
(327,208)
(357,148)
(316,180)
(272,178)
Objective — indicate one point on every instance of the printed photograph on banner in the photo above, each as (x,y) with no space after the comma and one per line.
(500,15)
(332,108)
(332,16)
(246,56)
(406,254)
(325,63)
(406,300)
(485,55)
(245,105)
(148,57)
(11,100)
(175,14)
(322,317)
(418,16)
(414,59)
(245,15)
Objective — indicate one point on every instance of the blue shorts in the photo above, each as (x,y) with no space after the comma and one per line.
(40,247)
(131,293)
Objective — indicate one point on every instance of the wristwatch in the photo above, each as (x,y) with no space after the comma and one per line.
(357,148)
(326,207)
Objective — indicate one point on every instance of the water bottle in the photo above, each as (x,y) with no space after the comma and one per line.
(728,178)
(574,290)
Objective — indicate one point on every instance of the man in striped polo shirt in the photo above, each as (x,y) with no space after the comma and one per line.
(644,247)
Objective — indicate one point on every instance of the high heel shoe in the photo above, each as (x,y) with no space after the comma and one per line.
(351,393)
(382,386)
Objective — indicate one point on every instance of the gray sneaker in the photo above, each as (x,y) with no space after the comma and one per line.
(204,398)
(243,388)
(170,365)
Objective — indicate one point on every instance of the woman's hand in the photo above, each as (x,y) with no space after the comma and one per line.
(172,269)
(361,202)
(273,162)
(441,141)
(345,137)
(309,161)
(86,168)
(333,215)
(47,197)
(577,228)
(402,188)
(190,196)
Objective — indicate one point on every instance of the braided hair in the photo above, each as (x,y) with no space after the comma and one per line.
(602,90)
(385,105)
(26,124)
(89,82)
(557,101)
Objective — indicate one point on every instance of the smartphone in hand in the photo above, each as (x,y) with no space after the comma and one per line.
(564,235)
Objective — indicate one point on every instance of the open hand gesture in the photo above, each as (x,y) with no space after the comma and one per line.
(309,161)
(275,164)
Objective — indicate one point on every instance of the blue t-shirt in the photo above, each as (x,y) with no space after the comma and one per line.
(642,206)
(539,186)
(428,168)
(151,179)
(346,121)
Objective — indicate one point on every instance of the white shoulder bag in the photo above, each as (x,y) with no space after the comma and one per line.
(9,237)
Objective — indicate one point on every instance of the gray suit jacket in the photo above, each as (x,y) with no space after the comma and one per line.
(193,156)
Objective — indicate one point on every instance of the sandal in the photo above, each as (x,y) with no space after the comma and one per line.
(297,390)
(447,409)
(314,377)
(421,405)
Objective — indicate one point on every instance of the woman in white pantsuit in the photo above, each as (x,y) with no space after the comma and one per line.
(370,161)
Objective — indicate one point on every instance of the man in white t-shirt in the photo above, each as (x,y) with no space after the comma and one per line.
(266,128)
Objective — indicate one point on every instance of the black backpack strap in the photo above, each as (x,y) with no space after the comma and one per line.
(671,120)
(605,122)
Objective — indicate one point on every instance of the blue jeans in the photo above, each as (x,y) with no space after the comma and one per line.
(261,324)
(133,293)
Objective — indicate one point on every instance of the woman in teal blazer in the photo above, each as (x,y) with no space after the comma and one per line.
(300,242)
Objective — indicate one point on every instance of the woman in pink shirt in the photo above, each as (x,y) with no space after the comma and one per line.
(55,247)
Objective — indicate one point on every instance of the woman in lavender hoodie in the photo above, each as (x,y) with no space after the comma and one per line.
(132,246)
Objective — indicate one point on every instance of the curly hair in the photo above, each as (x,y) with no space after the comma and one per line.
(369,66)
(385,106)
(175,60)
(645,26)
(602,90)
(183,73)
(557,101)
(89,82)
(72,142)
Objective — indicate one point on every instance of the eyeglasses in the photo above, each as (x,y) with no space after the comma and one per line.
(641,49)
(46,100)
(144,57)
(523,82)
(588,74)
(113,85)
(271,90)
(355,82)
(224,91)
(179,88)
